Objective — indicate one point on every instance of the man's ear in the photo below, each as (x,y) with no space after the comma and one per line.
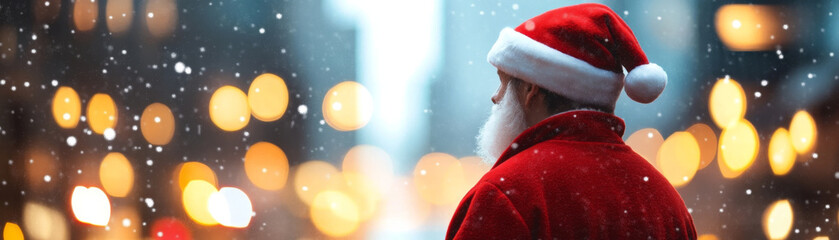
(531,93)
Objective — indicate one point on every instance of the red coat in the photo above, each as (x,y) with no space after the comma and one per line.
(572,177)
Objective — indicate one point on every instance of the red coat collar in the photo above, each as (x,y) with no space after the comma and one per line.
(577,126)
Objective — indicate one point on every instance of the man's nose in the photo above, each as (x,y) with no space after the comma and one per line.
(494,99)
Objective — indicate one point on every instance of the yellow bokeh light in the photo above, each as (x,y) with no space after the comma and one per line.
(821,238)
(313,177)
(189,171)
(727,102)
(268,97)
(708,237)
(229,108)
(90,205)
(116,174)
(266,166)
(802,132)
(439,178)
(678,158)
(363,192)
(118,15)
(85,14)
(101,113)
(646,143)
(777,220)
(66,107)
(347,106)
(738,148)
(371,162)
(334,213)
(781,152)
(750,27)
(161,17)
(43,222)
(12,232)
(157,124)
(195,198)
(707,140)
(474,169)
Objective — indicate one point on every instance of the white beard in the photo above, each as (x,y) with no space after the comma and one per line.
(502,127)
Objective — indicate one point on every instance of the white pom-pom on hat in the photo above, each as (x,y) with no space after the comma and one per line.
(645,83)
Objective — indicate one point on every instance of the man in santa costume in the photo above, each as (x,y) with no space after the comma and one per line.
(561,169)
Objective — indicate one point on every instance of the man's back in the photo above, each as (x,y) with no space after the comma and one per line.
(571,176)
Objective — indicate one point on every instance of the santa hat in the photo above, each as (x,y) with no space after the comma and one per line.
(578,52)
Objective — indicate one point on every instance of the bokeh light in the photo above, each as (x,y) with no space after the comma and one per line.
(43,222)
(738,148)
(371,162)
(66,107)
(313,177)
(439,178)
(161,17)
(266,165)
(347,106)
(101,113)
(474,169)
(118,15)
(169,228)
(727,102)
(646,143)
(364,193)
(189,171)
(821,238)
(195,200)
(707,237)
(85,14)
(749,27)
(678,158)
(11,231)
(802,132)
(230,207)
(334,213)
(116,174)
(777,220)
(157,124)
(781,152)
(90,205)
(229,108)
(707,140)
(268,97)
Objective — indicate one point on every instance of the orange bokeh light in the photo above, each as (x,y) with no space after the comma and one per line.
(646,143)
(157,124)
(116,174)
(750,27)
(266,165)
(101,113)
(707,140)
(66,107)
(189,171)
(85,13)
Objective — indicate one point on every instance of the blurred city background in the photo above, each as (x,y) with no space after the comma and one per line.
(307,119)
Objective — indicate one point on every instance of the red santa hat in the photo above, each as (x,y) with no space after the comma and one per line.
(578,52)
